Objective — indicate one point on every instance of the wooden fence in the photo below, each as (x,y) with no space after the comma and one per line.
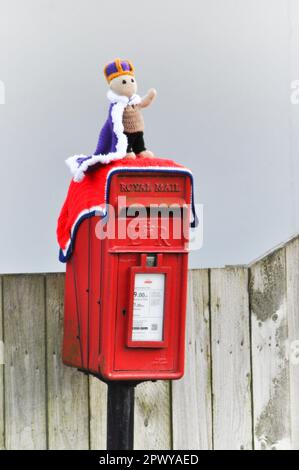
(240,390)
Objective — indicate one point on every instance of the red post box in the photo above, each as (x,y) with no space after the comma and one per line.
(126,281)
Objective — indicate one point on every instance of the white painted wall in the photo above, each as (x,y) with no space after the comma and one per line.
(223,72)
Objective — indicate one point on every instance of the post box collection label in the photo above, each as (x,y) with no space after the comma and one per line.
(148,307)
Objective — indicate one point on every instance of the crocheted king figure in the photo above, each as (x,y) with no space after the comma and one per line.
(122,133)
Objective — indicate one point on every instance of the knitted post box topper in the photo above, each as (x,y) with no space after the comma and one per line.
(122,134)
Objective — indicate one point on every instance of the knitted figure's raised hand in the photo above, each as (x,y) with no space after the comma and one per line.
(148,98)
(122,134)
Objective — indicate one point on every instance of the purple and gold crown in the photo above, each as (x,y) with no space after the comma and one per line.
(117,68)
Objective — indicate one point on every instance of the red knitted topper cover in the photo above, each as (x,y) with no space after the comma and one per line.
(90,196)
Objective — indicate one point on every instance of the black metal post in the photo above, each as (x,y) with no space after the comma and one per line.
(120,416)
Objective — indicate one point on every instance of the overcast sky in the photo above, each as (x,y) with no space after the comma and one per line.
(223,71)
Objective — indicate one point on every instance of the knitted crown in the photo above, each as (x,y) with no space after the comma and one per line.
(117,68)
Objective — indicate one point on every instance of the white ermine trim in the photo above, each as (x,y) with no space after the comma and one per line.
(114,98)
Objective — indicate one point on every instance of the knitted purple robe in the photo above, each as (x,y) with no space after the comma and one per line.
(112,142)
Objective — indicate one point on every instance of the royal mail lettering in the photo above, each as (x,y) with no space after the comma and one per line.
(147,187)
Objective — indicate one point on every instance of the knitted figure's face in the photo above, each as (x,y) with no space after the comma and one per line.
(125,85)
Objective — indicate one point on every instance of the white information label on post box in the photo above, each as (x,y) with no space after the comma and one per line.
(148,309)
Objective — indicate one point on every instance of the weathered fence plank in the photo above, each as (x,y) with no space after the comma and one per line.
(269,353)
(191,396)
(292,263)
(98,413)
(231,372)
(2,444)
(68,408)
(152,416)
(25,392)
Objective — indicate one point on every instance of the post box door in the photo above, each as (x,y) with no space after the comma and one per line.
(153,352)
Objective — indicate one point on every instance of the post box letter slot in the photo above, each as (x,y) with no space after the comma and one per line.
(147,321)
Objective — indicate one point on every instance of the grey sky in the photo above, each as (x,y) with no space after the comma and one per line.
(223,72)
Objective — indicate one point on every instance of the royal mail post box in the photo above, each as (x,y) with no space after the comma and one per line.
(126,281)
